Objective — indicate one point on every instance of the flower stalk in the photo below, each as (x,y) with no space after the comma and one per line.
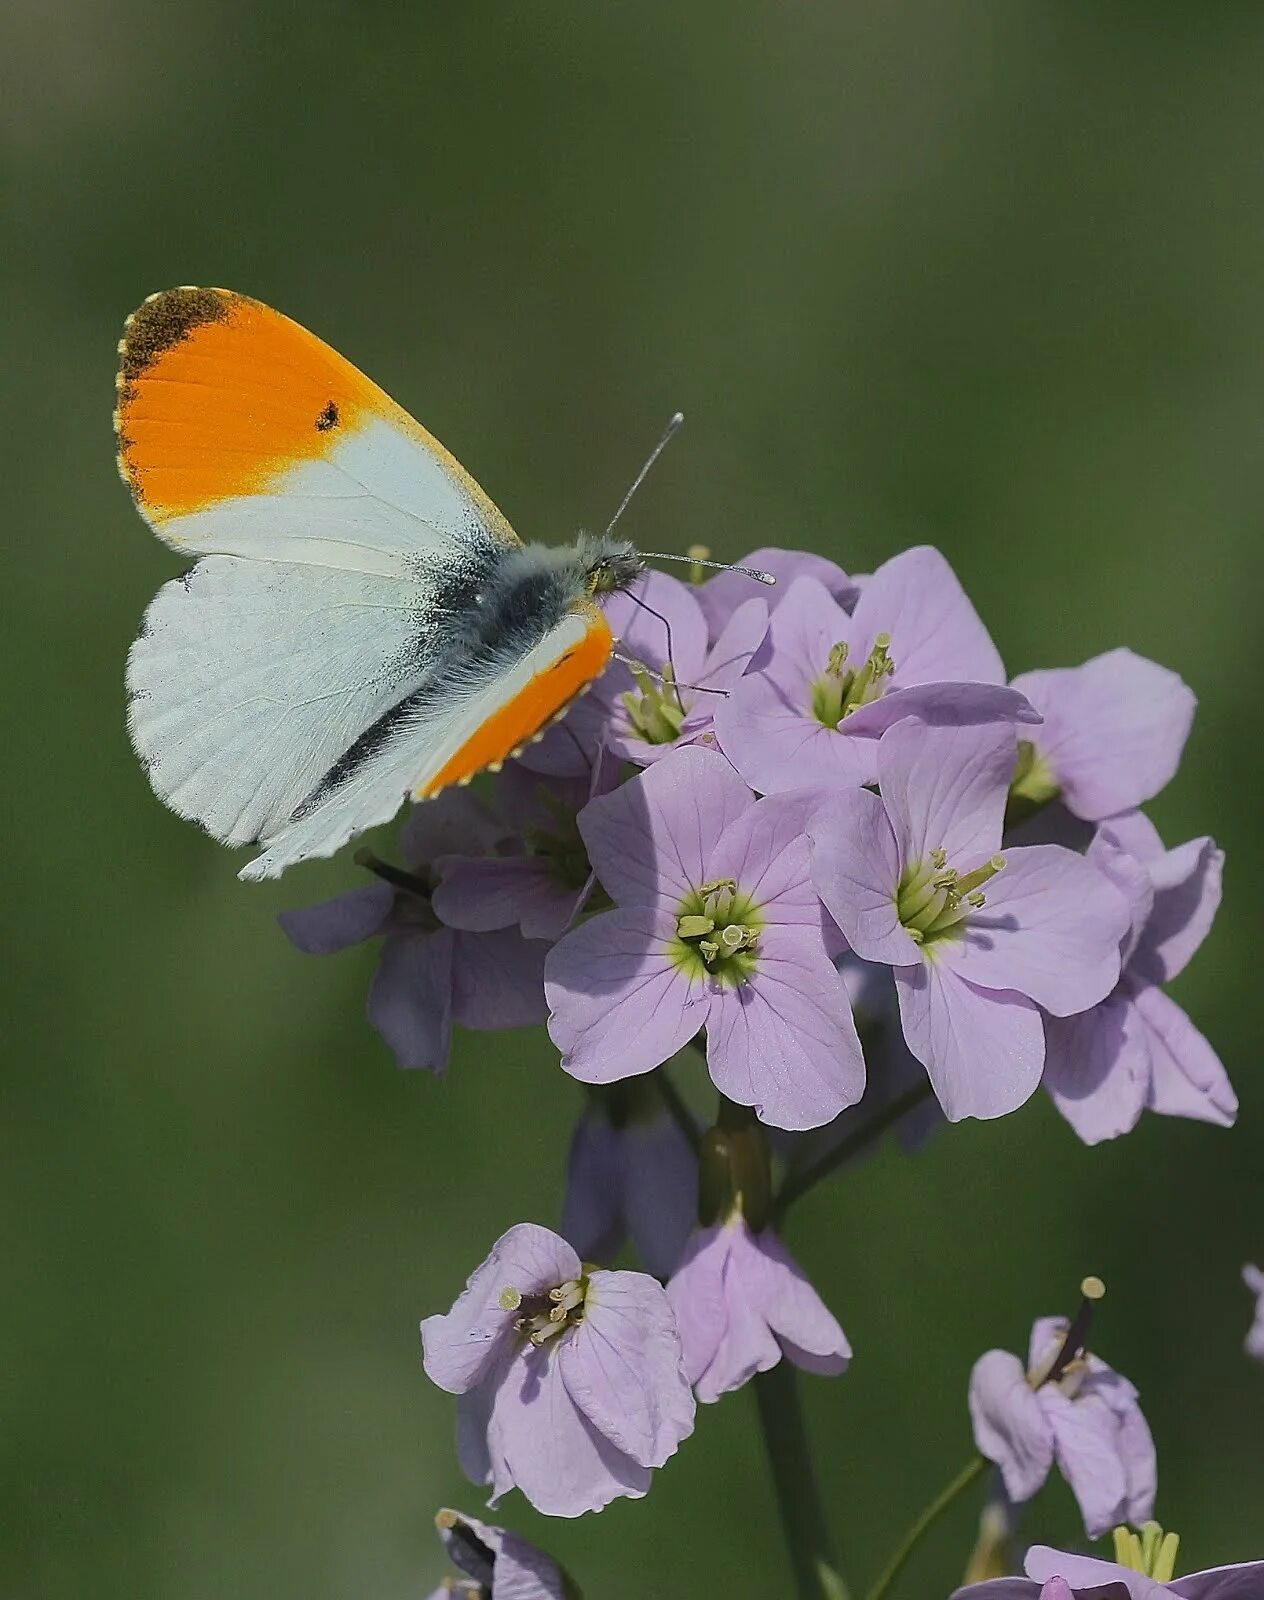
(807,1536)
(922,1524)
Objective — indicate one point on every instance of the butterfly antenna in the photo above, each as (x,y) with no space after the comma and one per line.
(719,566)
(671,428)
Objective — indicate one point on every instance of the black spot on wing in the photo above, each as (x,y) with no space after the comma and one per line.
(327,419)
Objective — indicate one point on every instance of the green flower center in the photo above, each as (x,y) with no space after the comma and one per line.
(717,932)
(654,708)
(932,901)
(545,1315)
(1150,1552)
(840,689)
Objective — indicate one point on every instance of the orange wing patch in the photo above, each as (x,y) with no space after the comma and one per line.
(220,396)
(532,708)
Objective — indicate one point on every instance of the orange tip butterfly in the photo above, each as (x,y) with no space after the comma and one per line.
(362,625)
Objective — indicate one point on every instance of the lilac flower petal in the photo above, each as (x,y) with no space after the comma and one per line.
(1097,1068)
(1133,1441)
(649,841)
(660,1199)
(945,788)
(1131,877)
(498,980)
(785,1041)
(1114,729)
(1186,898)
(550,1450)
(696,1292)
(504,892)
(1086,1446)
(935,631)
(1242,1581)
(1253,1278)
(720,596)
(1051,930)
(473,1415)
(570,748)
(592,1209)
(747,1346)
(460,1345)
(807,624)
(1086,1574)
(410,999)
(774,741)
(334,925)
(454,823)
(765,851)
(623,1367)
(1134,832)
(730,655)
(1009,1426)
(1002,1589)
(953,704)
(619,1003)
(807,1330)
(644,636)
(982,1049)
(856,868)
(1187,1076)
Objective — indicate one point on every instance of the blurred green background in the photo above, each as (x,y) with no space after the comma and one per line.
(989,276)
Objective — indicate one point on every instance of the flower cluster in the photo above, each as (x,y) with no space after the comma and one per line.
(830,774)
(815,833)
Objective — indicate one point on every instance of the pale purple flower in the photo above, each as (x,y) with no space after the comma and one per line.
(1072,1409)
(1254,1280)
(498,1564)
(979,939)
(826,685)
(716,925)
(1061,1575)
(1112,734)
(644,715)
(741,1303)
(427,974)
(721,595)
(631,1172)
(538,879)
(1137,1049)
(570,1382)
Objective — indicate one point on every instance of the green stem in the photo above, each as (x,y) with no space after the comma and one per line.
(802,1515)
(797,1183)
(926,1520)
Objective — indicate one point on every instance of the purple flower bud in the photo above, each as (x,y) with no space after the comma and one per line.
(498,1564)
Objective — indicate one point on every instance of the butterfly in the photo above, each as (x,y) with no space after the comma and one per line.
(361,624)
